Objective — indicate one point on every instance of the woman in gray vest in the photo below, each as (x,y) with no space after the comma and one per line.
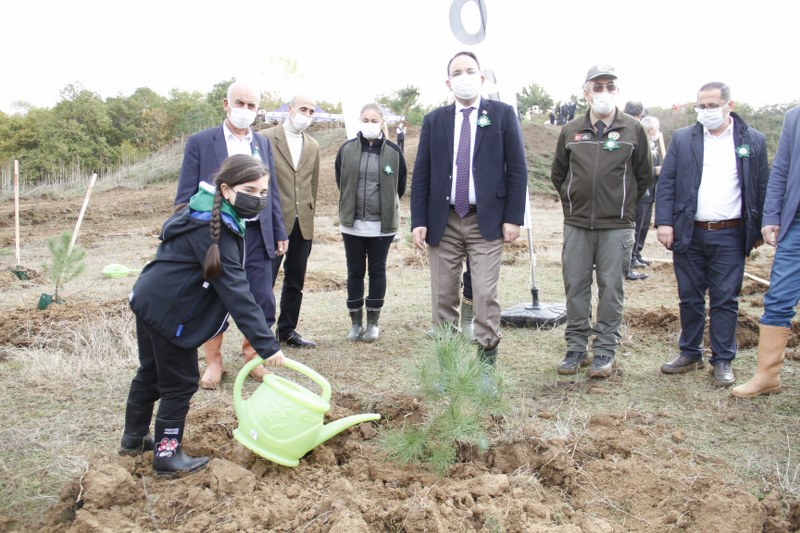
(371,176)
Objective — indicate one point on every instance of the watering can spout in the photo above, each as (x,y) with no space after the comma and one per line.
(336,427)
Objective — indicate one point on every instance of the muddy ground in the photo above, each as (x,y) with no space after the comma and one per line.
(626,471)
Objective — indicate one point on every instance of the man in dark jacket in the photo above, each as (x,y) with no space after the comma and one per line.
(601,168)
(266,236)
(708,212)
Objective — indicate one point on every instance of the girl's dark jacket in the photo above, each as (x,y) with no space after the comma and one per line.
(172,296)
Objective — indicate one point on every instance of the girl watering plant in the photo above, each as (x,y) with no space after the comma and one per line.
(183,298)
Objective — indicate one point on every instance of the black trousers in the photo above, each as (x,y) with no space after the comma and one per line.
(294,278)
(644,211)
(166,372)
(363,254)
(258,269)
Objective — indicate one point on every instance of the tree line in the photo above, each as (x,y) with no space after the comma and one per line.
(83,131)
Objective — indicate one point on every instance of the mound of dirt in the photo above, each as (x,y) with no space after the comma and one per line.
(347,485)
(27,326)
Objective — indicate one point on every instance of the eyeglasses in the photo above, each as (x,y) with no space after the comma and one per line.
(599,87)
(710,107)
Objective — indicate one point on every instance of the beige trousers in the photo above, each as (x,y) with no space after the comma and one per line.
(462,239)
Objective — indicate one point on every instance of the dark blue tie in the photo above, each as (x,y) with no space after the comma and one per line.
(461,202)
(600,126)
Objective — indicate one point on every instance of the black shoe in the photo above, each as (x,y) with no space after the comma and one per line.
(633,276)
(130,445)
(682,363)
(645,262)
(296,341)
(638,263)
(723,374)
(602,365)
(572,361)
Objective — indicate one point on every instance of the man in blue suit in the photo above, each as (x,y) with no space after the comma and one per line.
(266,236)
(708,212)
(468,197)
(781,228)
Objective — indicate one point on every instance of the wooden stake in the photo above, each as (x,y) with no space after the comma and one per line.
(16,209)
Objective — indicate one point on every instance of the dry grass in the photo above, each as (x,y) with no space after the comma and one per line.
(63,401)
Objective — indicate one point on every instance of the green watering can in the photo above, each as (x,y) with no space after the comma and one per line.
(282,421)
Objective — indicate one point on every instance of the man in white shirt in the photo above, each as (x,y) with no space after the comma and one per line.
(266,237)
(296,155)
(709,202)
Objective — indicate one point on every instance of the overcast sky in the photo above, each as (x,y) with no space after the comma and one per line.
(352,50)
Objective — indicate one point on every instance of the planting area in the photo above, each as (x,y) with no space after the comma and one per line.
(636,452)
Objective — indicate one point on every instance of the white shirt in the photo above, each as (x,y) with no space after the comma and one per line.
(237,145)
(720,195)
(473,122)
(295,142)
(241,146)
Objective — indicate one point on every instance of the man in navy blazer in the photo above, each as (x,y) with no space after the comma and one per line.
(709,201)
(468,197)
(781,228)
(266,237)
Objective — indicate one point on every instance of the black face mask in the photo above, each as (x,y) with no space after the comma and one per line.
(248,205)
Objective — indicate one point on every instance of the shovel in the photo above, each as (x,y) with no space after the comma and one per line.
(18,270)
(46,299)
(115,270)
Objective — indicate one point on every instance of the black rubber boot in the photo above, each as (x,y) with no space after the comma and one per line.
(137,438)
(357,329)
(168,458)
(372,330)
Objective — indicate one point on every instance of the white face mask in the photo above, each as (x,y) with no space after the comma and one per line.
(370,130)
(301,122)
(466,86)
(241,117)
(603,103)
(711,118)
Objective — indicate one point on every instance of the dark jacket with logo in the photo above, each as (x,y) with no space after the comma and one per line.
(172,296)
(601,180)
(676,196)
(371,180)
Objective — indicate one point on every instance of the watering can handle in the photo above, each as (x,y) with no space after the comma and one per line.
(291,364)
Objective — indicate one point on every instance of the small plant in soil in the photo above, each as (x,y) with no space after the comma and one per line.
(460,394)
(65,264)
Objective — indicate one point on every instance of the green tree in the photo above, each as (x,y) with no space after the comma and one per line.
(83,128)
(190,112)
(141,119)
(533,95)
(215,97)
(329,107)
(404,102)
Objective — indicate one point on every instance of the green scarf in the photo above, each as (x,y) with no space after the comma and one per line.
(203,200)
